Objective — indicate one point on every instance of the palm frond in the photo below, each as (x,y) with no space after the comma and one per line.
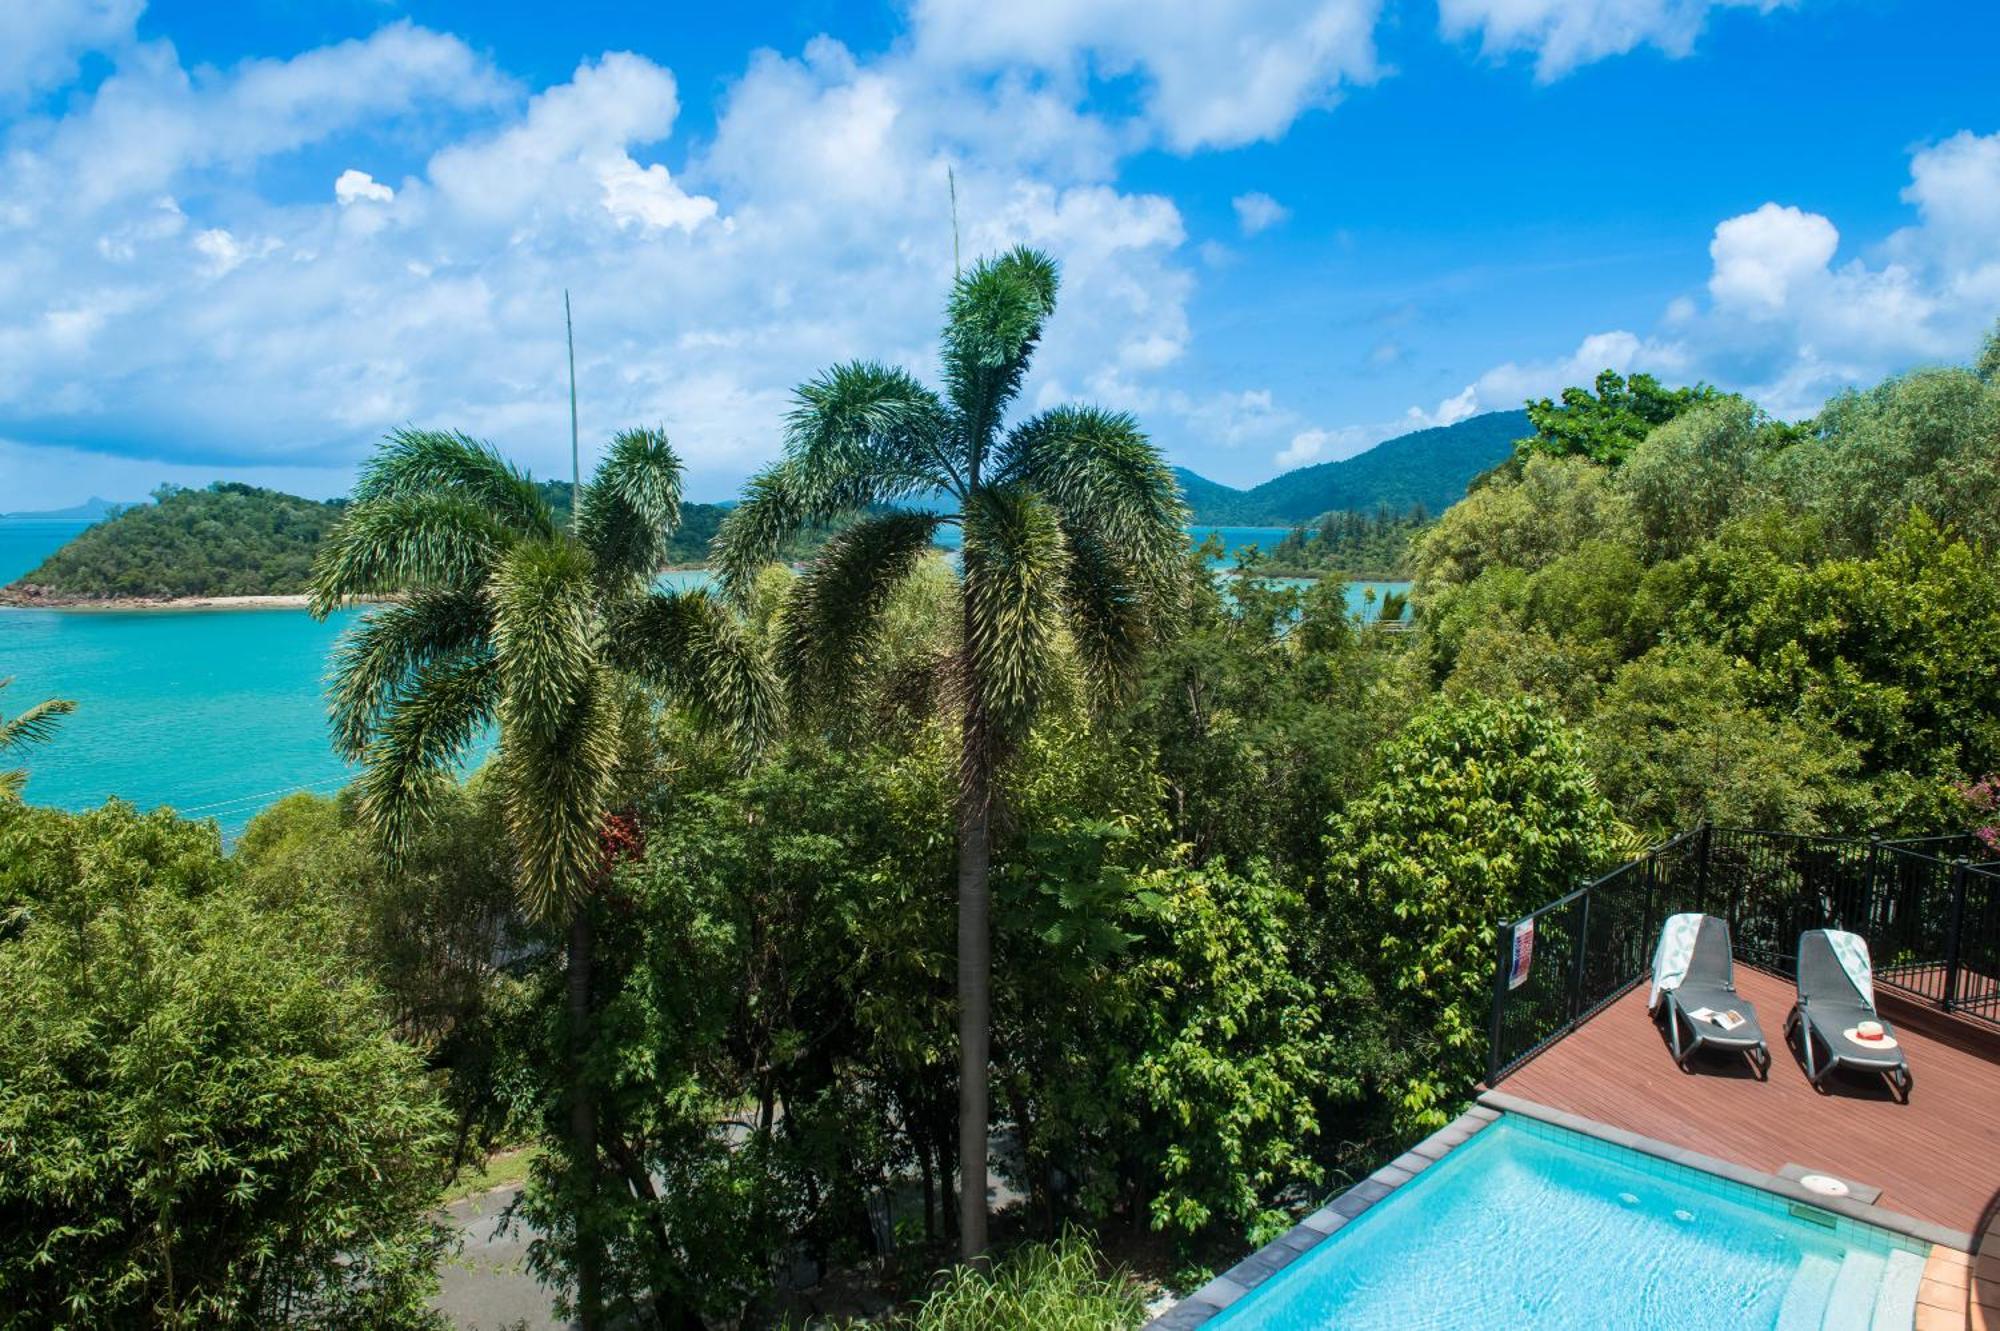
(402,543)
(544,635)
(1109,617)
(629,511)
(992,324)
(374,661)
(421,736)
(689,647)
(833,610)
(1108,479)
(752,532)
(1015,561)
(863,434)
(414,462)
(37,725)
(556,781)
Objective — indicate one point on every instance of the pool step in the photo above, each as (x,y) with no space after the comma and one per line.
(1896,1299)
(1804,1308)
(1850,1306)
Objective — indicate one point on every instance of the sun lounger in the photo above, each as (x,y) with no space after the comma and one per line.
(1836,994)
(1694,992)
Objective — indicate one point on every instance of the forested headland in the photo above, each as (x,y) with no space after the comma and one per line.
(1246,860)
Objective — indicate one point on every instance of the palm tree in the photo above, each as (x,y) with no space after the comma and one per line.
(1072,542)
(37,725)
(506,619)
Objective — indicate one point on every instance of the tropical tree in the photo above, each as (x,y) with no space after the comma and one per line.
(505,619)
(37,725)
(1072,539)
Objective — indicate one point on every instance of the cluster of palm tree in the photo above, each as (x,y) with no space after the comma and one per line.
(1072,549)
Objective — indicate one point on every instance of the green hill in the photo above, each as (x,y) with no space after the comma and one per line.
(1429,467)
(227,540)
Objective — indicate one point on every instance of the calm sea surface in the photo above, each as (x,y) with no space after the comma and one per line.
(215,712)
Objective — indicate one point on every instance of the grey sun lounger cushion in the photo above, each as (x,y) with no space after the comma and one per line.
(1709,981)
(1830,1004)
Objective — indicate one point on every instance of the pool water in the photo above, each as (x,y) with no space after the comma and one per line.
(1528,1225)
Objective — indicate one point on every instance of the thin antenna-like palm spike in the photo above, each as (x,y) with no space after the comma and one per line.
(373,661)
(432,461)
(688,647)
(834,609)
(555,782)
(993,322)
(421,738)
(631,509)
(403,543)
(1015,561)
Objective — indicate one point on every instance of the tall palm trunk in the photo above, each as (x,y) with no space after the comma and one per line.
(975,978)
(583,1119)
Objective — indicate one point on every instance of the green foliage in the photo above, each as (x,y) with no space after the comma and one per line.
(1060,1286)
(1607,425)
(1928,440)
(206,1120)
(37,725)
(227,540)
(1676,741)
(1690,475)
(1521,522)
(1350,544)
(1483,810)
(430,929)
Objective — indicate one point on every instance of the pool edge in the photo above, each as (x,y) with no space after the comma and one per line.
(1911,1227)
(1232,1285)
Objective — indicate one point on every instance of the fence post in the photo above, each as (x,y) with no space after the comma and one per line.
(1951,938)
(1706,838)
(1579,945)
(1871,895)
(1502,963)
(1646,919)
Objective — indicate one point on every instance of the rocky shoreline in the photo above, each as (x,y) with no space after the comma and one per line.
(34,597)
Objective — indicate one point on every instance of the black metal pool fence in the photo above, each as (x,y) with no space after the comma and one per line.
(1928,906)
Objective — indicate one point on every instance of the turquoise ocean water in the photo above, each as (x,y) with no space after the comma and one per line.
(217,713)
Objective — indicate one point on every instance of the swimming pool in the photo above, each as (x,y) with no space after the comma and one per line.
(1529,1225)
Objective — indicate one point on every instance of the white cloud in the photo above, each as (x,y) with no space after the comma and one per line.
(1325,446)
(41,40)
(1762,257)
(1257,211)
(355,186)
(1564,34)
(1214,75)
(1789,322)
(174,315)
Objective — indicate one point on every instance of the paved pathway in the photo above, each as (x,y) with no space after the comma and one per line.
(487,1286)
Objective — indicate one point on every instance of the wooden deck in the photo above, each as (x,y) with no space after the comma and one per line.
(1936,1158)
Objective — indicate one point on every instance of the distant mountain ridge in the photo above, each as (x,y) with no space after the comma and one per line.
(92,508)
(1430,467)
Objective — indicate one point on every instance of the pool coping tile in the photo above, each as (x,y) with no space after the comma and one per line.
(1224,1290)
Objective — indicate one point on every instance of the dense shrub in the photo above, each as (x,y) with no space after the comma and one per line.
(204,1119)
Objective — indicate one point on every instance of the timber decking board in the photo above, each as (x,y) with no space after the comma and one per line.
(1936,1158)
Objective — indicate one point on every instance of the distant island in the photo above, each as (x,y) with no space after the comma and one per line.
(1429,468)
(92,509)
(235,545)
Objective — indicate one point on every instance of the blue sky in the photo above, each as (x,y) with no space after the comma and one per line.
(245,240)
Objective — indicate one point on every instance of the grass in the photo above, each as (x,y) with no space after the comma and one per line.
(1060,1286)
(503,1169)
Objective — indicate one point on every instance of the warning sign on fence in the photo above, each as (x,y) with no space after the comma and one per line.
(1524,952)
